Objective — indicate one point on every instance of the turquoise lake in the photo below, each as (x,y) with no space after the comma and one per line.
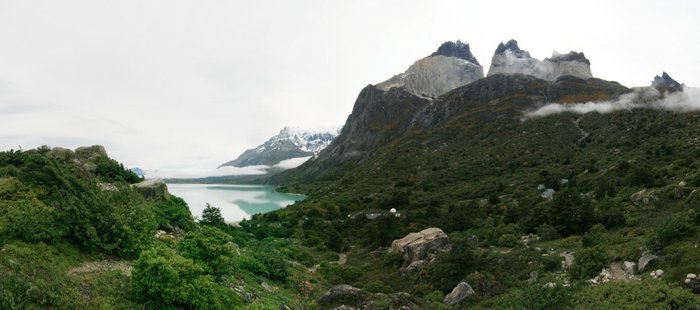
(236,202)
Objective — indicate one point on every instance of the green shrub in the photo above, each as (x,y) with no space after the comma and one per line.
(635,295)
(677,226)
(174,212)
(211,248)
(337,274)
(547,232)
(168,280)
(508,240)
(377,286)
(588,262)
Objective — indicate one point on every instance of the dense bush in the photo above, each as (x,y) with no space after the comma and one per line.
(678,225)
(211,248)
(636,295)
(168,280)
(174,212)
(338,274)
(588,262)
(570,213)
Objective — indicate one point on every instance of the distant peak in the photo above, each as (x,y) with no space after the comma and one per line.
(666,81)
(570,56)
(512,46)
(457,49)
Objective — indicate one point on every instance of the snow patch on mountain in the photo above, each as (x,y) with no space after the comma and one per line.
(290,142)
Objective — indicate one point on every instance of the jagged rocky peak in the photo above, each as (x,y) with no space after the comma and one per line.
(451,66)
(510,59)
(511,47)
(457,49)
(570,56)
(666,82)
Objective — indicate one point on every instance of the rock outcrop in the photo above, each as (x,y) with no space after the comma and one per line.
(510,59)
(451,66)
(666,82)
(154,189)
(421,246)
(461,292)
(645,261)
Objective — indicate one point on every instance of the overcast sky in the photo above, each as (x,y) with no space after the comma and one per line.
(183,86)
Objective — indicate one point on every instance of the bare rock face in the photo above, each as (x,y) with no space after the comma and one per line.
(510,59)
(419,246)
(452,66)
(378,117)
(461,292)
(666,82)
(154,189)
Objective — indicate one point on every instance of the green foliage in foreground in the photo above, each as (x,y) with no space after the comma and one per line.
(166,280)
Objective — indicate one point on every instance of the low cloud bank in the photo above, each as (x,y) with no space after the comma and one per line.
(687,100)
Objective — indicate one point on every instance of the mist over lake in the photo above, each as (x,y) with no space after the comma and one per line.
(236,202)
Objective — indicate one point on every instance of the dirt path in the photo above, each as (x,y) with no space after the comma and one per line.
(104,265)
(584,134)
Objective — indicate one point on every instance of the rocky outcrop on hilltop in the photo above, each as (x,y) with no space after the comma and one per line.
(451,66)
(666,82)
(153,189)
(510,59)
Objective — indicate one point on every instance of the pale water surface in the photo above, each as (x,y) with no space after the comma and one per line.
(236,202)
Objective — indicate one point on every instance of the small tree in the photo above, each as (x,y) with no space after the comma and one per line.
(212,216)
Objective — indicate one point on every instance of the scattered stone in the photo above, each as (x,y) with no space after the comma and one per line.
(534,275)
(657,274)
(344,307)
(603,277)
(550,285)
(106,187)
(691,276)
(645,260)
(267,287)
(462,291)
(526,239)
(342,258)
(682,184)
(644,197)
(421,245)
(568,259)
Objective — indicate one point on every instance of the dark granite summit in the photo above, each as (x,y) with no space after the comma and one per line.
(457,49)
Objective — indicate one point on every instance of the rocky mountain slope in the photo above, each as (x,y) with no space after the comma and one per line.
(289,143)
(451,66)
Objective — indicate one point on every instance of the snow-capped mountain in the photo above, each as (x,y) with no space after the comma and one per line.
(290,143)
